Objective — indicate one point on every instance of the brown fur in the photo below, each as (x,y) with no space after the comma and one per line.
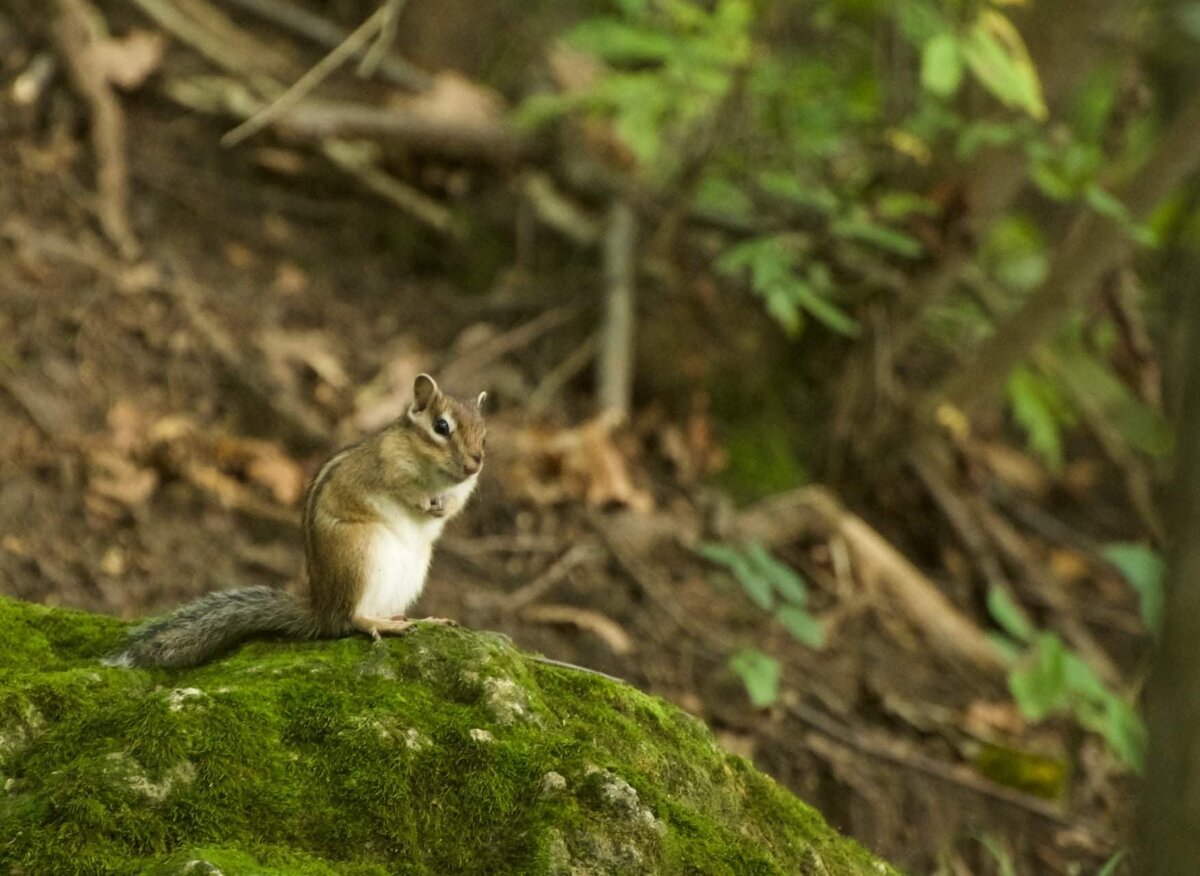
(406,461)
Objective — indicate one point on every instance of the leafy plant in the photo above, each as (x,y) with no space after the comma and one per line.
(1048,678)
(772,586)
(671,63)
(989,47)
(789,284)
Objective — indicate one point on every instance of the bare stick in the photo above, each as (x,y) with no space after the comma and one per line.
(310,80)
(325,33)
(79,28)
(615,365)
(387,36)
(543,583)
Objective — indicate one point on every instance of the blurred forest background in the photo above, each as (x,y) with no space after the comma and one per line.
(834,347)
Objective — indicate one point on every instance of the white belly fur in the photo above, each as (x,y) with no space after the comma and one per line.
(397,565)
(398,559)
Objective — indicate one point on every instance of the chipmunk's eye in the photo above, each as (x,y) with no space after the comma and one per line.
(442,426)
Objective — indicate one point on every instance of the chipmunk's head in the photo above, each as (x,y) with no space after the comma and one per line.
(451,433)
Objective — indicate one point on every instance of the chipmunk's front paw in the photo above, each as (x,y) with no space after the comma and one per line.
(435,506)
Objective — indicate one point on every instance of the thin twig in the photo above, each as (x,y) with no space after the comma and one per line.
(561,374)
(562,664)
(476,359)
(79,29)
(325,33)
(383,43)
(556,572)
(310,80)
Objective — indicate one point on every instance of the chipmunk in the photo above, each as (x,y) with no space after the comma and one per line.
(371,517)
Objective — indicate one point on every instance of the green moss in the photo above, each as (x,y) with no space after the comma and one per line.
(443,752)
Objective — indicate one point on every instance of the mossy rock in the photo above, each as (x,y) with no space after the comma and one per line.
(443,752)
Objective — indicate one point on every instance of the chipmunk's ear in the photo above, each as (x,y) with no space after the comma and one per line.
(425,389)
(479,401)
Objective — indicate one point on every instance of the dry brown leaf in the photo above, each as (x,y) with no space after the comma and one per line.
(279,474)
(314,349)
(574,70)
(128,426)
(384,398)
(1070,566)
(290,279)
(112,475)
(602,626)
(985,718)
(581,462)
(1014,468)
(455,98)
(113,562)
(127,61)
(263,462)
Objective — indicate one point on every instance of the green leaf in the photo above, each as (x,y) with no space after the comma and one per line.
(619,42)
(1039,682)
(759,673)
(1144,569)
(757,587)
(1041,411)
(862,228)
(822,309)
(941,65)
(1009,615)
(1110,866)
(900,205)
(787,583)
(994,51)
(1004,861)
(806,628)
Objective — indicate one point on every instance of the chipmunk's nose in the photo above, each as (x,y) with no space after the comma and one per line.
(473,464)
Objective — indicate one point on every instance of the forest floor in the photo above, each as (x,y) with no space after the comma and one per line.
(160,416)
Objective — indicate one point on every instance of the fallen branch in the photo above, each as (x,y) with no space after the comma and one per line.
(315,119)
(601,626)
(558,571)
(784,518)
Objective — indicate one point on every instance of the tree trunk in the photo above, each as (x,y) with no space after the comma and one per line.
(1170,833)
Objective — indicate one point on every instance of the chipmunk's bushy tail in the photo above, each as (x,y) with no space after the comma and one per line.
(213,624)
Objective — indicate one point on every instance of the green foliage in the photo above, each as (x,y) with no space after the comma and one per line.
(788,287)
(1048,678)
(1009,615)
(759,672)
(1144,569)
(1052,679)
(775,587)
(989,47)
(673,62)
(1039,407)
(772,586)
